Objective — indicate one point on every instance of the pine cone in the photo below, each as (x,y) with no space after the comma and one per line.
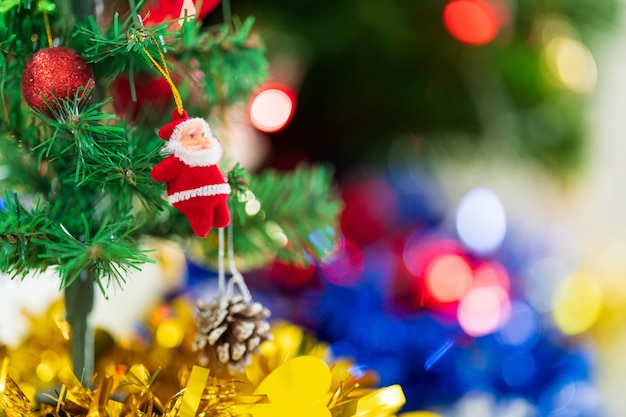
(230,330)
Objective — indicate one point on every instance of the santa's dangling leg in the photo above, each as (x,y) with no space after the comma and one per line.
(200,211)
(221,216)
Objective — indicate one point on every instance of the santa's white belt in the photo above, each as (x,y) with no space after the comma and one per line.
(205,191)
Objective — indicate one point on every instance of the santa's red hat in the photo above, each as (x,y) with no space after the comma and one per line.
(172,130)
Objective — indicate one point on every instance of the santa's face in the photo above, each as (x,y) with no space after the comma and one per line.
(195,136)
(196,146)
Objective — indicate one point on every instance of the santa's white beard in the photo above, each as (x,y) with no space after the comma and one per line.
(195,157)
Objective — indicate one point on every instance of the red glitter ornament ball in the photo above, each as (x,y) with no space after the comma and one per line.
(54,72)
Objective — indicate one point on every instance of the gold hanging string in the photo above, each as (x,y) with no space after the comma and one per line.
(47,25)
(165,73)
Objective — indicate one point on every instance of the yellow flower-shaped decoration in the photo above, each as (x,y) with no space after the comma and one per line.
(306,387)
(289,341)
(299,387)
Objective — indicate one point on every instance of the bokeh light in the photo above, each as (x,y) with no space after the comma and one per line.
(571,397)
(481,221)
(45,372)
(483,310)
(577,304)
(448,278)
(572,64)
(421,249)
(252,207)
(272,107)
(277,234)
(473,22)
(491,274)
(518,368)
(522,327)
(170,333)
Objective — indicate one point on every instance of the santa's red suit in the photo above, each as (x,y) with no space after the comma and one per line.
(200,192)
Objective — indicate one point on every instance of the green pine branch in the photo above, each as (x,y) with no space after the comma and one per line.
(21,23)
(109,253)
(122,45)
(231,56)
(291,216)
(302,205)
(88,149)
(24,229)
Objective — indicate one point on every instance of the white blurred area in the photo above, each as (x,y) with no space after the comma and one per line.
(143,291)
(32,296)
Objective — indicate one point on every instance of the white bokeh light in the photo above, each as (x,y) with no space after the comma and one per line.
(572,64)
(271,110)
(481,221)
(483,310)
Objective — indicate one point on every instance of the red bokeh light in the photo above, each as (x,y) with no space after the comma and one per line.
(448,278)
(473,22)
(272,107)
(490,274)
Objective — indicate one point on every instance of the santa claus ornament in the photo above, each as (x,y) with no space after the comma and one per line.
(231,327)
(195,185)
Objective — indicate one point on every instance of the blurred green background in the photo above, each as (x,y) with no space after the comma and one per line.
(372,71)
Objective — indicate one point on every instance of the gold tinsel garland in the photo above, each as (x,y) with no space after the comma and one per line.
(153,373)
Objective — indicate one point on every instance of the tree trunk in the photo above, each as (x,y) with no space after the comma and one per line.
(79,299)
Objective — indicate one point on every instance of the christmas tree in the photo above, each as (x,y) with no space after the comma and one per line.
(84,91)
(417,84)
